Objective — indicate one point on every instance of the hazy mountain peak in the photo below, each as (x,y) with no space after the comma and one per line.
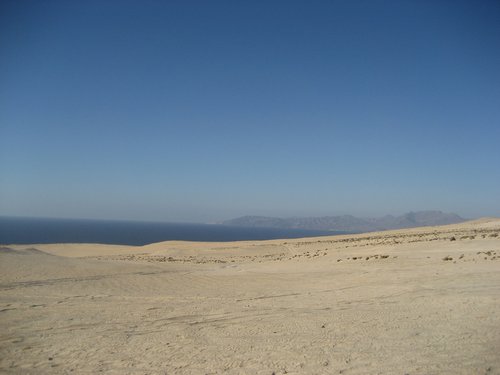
(349,223)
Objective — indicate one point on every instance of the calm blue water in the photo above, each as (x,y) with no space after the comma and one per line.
(36,230)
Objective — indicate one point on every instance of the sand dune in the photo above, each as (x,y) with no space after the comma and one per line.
(414,301)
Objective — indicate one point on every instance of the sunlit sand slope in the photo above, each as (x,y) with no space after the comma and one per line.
(416,301)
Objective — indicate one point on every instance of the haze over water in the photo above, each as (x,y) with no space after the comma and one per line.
(35,231)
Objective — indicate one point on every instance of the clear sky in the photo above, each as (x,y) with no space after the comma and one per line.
(206,110)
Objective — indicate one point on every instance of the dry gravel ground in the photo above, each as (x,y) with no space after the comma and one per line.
(417,301)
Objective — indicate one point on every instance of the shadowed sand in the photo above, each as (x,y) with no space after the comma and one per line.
(414,301)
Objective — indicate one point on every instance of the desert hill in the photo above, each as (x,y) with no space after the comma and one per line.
(409,301)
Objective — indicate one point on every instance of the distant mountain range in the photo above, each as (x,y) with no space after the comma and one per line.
(348,223)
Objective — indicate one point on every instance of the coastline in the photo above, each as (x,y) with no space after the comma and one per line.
(420,300)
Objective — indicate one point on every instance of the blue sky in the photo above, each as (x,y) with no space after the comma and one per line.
(201,111)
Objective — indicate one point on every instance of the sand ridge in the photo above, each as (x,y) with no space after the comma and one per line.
(416,301)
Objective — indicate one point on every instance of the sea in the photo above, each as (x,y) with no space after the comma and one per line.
(16,230)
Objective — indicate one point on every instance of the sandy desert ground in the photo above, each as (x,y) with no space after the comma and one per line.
(417,301)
